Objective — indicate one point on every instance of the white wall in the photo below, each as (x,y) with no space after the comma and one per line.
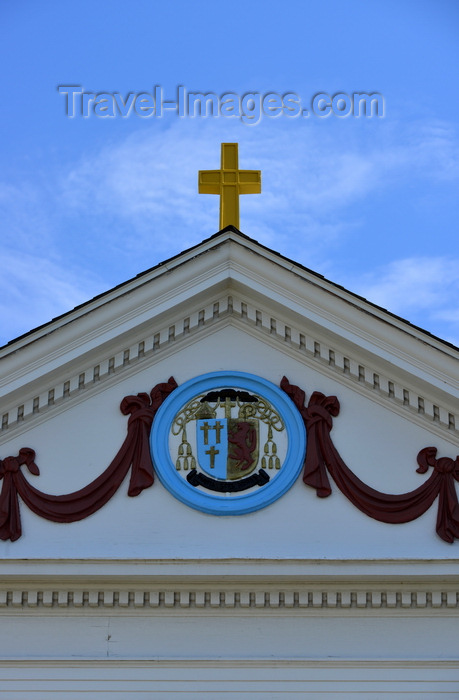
(306,598)
(380,446)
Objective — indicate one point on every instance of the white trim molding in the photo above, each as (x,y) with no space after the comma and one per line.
(364,373)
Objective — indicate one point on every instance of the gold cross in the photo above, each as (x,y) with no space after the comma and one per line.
(217,427)
(229,182)
(228,406)
(206,427)
(212,452)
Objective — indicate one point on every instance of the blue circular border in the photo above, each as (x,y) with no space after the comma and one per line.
(214,503)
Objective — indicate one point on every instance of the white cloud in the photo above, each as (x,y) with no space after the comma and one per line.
(37,290)
(150,179)
(423,290)
(26,214)
(438,150)
(414,282)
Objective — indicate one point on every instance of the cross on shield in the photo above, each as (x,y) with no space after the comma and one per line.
(227,447)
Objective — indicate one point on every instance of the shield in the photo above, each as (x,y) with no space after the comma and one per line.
(227,447)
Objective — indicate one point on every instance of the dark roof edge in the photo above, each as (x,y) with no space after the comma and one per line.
(231,229)
(163,263)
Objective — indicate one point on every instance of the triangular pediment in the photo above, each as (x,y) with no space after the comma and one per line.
(229,280)
(230,304)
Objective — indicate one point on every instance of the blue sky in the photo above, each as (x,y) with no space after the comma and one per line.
(372,204)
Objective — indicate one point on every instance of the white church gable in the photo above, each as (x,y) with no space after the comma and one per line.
(231,305)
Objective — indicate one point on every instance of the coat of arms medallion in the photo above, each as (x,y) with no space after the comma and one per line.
(228,443)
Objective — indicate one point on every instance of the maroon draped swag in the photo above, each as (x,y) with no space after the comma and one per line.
(67,508)
(322,456)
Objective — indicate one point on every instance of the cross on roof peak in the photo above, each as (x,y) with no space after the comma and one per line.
(229,182)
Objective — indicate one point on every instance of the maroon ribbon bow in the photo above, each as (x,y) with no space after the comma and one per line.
(322,457)
(134,453)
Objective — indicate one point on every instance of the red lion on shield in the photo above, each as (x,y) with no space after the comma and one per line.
(242,437)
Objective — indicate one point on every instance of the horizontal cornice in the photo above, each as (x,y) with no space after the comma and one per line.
(236,586)
(382,598)
(431,404)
